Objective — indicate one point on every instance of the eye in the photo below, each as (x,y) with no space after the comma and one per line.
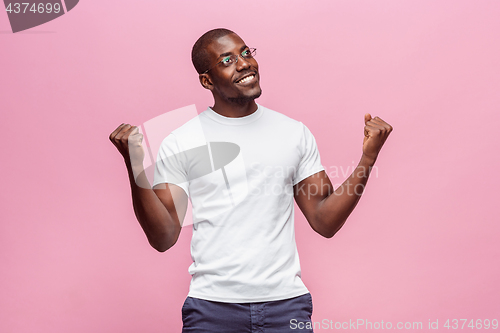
(227,60)
(247,53)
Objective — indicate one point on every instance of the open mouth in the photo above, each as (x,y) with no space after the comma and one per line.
(246,79)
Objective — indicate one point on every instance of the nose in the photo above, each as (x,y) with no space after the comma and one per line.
(242,63)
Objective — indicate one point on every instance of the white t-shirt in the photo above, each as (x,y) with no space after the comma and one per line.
(239,174)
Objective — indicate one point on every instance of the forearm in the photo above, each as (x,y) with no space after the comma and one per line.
(334,210)
(160,226)
(327,210)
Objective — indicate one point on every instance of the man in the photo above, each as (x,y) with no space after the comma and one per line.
(245,271)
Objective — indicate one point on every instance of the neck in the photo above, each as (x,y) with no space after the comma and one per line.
(235,110)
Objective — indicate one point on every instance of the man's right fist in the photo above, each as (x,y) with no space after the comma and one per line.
(128,141)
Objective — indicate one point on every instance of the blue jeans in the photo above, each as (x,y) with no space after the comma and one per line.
(202,316)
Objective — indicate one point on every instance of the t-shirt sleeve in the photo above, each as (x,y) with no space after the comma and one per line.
(310,162)
(170,166)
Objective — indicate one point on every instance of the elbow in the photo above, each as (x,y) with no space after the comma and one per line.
(162,244)
(327,233)
(159,247)
(328,230)
(163,240)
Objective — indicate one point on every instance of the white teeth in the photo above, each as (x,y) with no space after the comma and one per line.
(248,78)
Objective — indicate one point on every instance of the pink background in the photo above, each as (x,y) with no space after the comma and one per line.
(421,245)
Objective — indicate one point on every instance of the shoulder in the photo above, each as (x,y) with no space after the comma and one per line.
(293,127)
(281,119)
(188,128)
(186,136)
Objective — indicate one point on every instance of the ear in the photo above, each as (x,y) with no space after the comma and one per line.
(206,82)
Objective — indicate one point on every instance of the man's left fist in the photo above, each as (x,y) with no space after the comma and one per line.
(376,132)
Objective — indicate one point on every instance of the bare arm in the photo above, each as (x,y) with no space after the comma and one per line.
(327,210)
(160,211)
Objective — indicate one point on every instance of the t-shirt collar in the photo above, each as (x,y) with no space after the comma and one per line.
(234,121)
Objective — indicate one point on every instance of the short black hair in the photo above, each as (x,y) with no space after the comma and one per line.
(199,54)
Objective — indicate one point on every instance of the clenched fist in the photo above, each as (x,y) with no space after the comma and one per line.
(128,141)
(376,132)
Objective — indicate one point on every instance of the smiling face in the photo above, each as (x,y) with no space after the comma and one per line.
(237,83)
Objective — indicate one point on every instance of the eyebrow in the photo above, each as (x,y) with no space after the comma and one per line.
(230,53)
